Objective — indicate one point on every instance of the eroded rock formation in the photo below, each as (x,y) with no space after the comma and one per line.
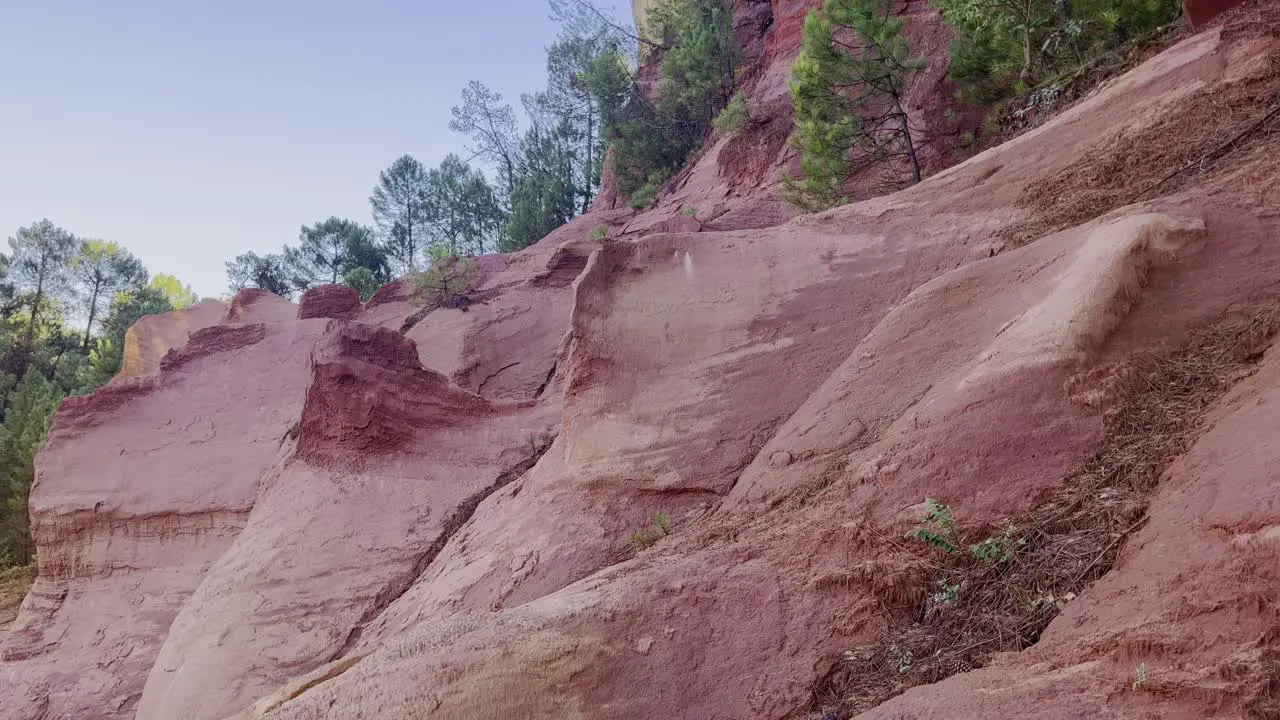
(668,474)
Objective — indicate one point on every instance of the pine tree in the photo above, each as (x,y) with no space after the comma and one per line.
(491,125)
(38,263)
(847,87)
(652,140)
(326,251)
(26,423)
(101,269)
(399,204)
(266,272)
(464,210)
(544,192)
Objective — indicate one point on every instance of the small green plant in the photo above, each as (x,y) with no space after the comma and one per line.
(734,115)
(689,212)
(1140,677)
(447,281)
(599,233)
(947,593)
(642,539)
(662,523)
(940,531)
(997,548)
(659,528)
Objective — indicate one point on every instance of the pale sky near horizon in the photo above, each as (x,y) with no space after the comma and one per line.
(191,131)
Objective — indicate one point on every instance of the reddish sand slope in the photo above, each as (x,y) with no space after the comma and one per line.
(667,475)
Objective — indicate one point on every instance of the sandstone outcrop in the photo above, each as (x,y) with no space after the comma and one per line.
(669,474)
(329,301)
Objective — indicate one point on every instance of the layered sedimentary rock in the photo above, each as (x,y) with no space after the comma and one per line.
(669,474)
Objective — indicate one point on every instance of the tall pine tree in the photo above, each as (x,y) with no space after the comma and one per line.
(847,87)
(26,422)
(400,210)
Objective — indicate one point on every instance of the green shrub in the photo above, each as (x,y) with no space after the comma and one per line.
(446,282)
(997,548)
(659,528)
(940,527)
(940,531)
(363,281)
(599,233)
(733,116)
(698,80)
(648,192)
(997,43)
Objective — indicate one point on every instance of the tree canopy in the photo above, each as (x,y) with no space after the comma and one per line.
(399,204)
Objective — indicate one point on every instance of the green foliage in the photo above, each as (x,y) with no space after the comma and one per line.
(179,295)
(1140,677)
(940,527)
(940,532)
(328,249)
(50,273)
(999,43)
(463,212)
(689,211)
(446,281)
(659,528)
(363,281)
(545,192)
(847,95)
(106,358)
(734,115)
(399,205)
(663,523)
(947,592)
(101,269)
(39,266)
(698,71)
(644,196)
(26,423)
(997,548)
(699,66)
(491,125)
(265,272)
(599,233)
(588,80)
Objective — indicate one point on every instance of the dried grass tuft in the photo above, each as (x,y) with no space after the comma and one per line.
(1201,134)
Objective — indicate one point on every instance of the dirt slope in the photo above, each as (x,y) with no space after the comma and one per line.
(669,475)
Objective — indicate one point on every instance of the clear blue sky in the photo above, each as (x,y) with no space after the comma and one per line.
(193,130)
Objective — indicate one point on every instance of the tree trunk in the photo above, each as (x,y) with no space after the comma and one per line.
(905,123)
(1026,41)
(589,175)
(28,344)
(93,312)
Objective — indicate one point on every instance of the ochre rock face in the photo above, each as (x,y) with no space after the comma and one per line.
(151,337)
(640,13)
(668,474)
